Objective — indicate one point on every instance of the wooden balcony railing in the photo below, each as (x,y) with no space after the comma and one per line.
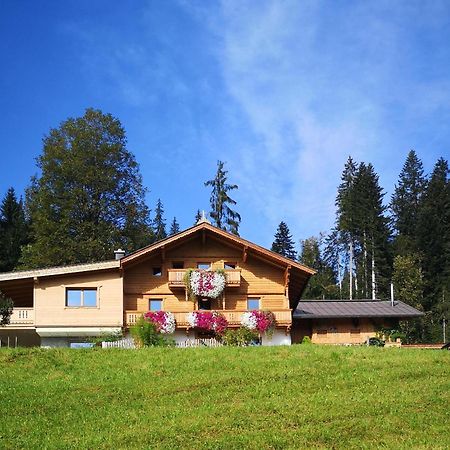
(282,317)
(22,317)
(176,277)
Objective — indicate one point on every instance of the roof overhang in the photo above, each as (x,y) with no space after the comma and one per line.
(62,270)
(246,246)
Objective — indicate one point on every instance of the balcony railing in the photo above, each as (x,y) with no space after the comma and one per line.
(282,317)
(176,277)
(22,317)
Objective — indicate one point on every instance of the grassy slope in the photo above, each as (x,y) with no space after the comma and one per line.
(284,397)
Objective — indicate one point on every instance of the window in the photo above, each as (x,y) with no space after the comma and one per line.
(229,265)
(178,265)
(157,271)
(204,265)
(253,303)
(155,304)
(86,298)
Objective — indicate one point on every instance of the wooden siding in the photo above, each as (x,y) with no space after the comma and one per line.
(334,331)
(50,300)
(258,278)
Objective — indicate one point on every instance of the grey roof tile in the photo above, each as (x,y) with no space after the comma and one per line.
(310,309)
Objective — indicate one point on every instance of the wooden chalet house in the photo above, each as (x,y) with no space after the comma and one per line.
(63,305)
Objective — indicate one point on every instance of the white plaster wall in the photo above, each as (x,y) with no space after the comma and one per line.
(279,337)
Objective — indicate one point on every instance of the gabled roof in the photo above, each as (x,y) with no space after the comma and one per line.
(261,251)
(61,270)
(324,309)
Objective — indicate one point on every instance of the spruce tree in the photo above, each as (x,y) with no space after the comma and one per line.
(362,230)
(159,223)
(405,204)
(198,216)
(222,215)
(346,218)
(13,231)
(374,259)
(434,236)
(283,242)
(174,227)
(88,198)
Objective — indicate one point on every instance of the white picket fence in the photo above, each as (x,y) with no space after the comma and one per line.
(124,343)
(189,343)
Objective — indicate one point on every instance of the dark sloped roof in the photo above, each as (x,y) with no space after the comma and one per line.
(315,309)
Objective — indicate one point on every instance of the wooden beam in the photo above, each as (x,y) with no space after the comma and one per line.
(163,252)
(287,275)
(244,253)
(203,237)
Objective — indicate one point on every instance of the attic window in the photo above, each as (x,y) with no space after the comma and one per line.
(229,265)
(178,265)
(204,265)
(157,271)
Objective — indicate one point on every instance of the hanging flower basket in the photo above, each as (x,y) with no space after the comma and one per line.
(205,283)
(207,321)
(164,321)
(262,322)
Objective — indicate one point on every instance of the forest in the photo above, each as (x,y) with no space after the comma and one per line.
(72,216)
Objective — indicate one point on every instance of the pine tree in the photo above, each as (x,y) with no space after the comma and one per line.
(159,223)
(89,198)
(174,227)
(13,231)
(405,204)
(223,216)
(198,216)
(283,242)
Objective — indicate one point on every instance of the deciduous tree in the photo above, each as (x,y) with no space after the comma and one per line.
(89,197)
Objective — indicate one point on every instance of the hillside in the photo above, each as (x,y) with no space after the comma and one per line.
(285,397)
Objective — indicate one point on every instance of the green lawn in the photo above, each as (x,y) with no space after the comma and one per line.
(302,396)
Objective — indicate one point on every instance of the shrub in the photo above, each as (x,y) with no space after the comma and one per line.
(145,334)
(6,309)
(240,337)
(306,340)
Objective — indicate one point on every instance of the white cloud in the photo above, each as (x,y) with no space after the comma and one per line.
(316,83)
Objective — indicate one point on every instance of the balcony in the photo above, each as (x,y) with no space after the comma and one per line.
(282,317)
(176,277)
(22,317)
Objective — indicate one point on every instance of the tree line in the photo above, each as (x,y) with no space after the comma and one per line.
(372,245)
(89,198)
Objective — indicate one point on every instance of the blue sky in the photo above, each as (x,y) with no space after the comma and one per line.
(283,91)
